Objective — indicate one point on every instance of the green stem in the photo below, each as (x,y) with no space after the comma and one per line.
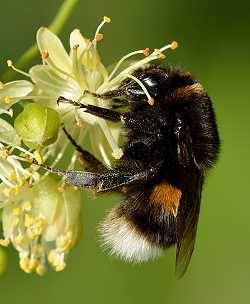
(56,26)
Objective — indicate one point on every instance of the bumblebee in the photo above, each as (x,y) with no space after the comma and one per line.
(171,142)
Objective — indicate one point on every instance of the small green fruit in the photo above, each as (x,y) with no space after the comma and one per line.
(37,125)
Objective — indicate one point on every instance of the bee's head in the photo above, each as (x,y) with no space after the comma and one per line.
(154,84)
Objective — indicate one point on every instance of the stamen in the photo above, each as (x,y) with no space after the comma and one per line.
(151,100)
(97,33)
(76,70)
(26,152)
(146,52)
(123,59)
(10,65)
(172,46)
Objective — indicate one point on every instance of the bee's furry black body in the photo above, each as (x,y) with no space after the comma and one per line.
(174,141)
(163,132)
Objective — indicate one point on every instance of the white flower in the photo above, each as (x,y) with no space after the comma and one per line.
(42,223)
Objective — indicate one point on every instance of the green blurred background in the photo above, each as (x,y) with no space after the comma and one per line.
(214,40)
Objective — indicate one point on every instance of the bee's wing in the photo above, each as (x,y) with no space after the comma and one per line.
(187,220)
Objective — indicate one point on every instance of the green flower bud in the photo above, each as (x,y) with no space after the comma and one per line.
(37,125)
(3,260)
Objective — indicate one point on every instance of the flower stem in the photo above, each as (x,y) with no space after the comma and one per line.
(56,26)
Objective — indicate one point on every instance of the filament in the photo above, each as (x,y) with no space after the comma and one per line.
(150,99)
(20,149)
(76,70)
(117,152)
(122,60)
(51,63)
(10,65)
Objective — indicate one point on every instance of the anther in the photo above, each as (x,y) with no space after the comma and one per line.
(45,54)
(40,270)
(174,45)
(7,99)
(4,153)
(151,101)
(10,65)
(61,189)
(60,267)
(99,37)
(4,242)
(106,19)
(146,52)
(80,123)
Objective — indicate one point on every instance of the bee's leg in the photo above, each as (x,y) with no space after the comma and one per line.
(95,110)
(107,95)
(111,179)
(88,160)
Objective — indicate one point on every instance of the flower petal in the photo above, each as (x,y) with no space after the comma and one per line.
(52,84)
(8,134)
(76,38)
(57,56)
(13,91)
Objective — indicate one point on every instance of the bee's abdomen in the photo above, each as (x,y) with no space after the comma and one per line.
(140,227)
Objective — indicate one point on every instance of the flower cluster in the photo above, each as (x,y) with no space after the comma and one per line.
(40,215)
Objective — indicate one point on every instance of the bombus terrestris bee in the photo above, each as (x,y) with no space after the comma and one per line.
(172,140)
